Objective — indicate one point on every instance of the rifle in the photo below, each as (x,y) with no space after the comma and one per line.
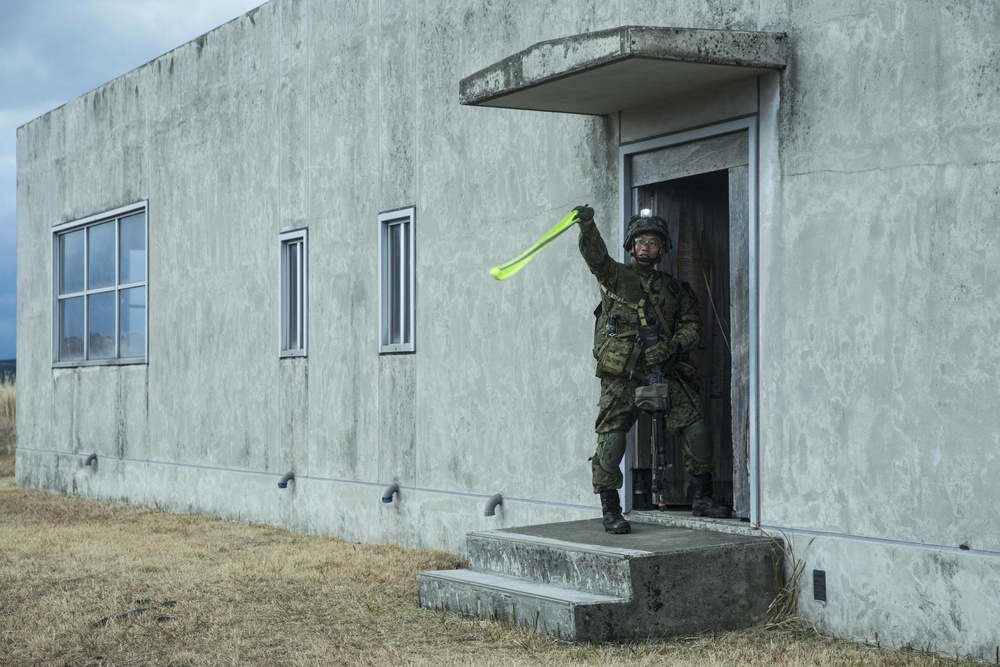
(653,397)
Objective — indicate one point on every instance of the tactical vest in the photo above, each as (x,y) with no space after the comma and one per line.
(619,316)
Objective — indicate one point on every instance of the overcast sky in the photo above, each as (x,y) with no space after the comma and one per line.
(53,51)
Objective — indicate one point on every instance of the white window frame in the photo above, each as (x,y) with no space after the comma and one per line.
(294,244)
(84,223)
(397,282)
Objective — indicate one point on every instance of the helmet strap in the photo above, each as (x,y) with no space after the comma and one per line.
(645,261)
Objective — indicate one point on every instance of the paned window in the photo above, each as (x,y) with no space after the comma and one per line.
(396,280)
(294,293)
(100,289)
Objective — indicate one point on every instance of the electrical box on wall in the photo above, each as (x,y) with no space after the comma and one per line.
(819,585)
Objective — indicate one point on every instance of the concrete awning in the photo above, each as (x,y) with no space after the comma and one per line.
(598,73)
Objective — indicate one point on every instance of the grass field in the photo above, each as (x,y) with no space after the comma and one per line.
(92,584)
(8,430)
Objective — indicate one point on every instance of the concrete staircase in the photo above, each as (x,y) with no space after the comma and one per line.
(576,583)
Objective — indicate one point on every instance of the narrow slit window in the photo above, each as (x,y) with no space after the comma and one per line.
(294,293)
(396,278)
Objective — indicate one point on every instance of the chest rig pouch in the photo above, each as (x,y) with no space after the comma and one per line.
(616,329)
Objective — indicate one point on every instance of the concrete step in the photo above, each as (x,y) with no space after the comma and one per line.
(595,569)
(560,612)
(659,580)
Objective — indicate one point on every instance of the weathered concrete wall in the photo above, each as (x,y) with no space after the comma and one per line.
(884,311)
(321,115)
(879,303)
(877,314)
(899,594)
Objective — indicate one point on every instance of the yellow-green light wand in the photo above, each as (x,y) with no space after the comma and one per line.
(505,271)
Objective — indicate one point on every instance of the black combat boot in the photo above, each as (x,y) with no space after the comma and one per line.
(614,522)
(704,504)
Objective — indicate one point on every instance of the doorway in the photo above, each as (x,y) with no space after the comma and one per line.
(701,189)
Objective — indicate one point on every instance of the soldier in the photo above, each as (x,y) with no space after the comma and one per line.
(634,295)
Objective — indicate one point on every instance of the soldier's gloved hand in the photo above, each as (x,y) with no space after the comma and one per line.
(584,213)
(661,352)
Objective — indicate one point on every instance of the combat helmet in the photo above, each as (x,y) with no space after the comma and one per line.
(646,222)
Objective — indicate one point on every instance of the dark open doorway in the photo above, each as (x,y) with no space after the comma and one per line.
(707,214)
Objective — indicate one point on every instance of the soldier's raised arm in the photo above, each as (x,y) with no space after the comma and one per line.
(594,250)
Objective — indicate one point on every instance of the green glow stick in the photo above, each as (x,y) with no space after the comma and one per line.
(505,271)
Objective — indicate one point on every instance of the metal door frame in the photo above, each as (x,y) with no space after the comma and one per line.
(625,153)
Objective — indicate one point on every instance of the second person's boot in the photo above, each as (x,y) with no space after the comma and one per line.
(611,507)
(704,504)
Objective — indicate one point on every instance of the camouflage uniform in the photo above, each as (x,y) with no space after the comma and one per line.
(623,287)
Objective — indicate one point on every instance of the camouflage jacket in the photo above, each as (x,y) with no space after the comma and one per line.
(631,295)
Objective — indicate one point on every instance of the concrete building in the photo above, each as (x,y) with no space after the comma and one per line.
(267,251)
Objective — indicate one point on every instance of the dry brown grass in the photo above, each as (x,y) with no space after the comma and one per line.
(8,421)
(85,583)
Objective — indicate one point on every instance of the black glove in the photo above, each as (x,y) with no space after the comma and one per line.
(584,213)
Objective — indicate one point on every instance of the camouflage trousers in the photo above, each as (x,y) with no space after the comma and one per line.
(616,415)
